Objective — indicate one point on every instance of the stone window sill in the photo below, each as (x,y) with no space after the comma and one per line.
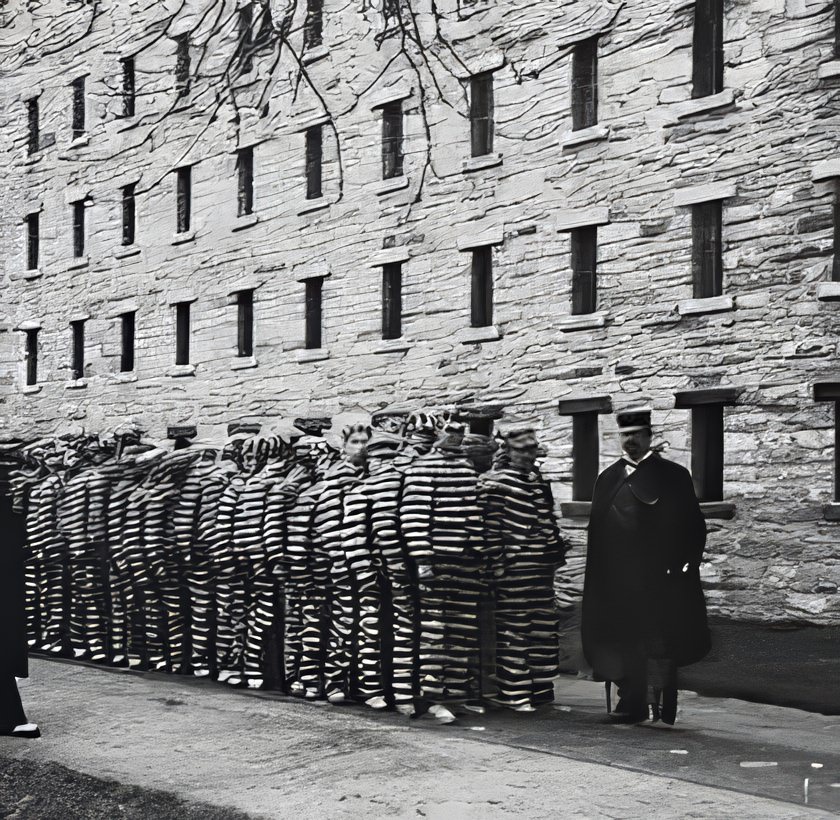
(315,354)
(183,238)
(243,363)
(80,142)
(400,345)
(595,133)
(32,160)
(722,510)
(125,378)
(29,389)
(388,186)
(311,206)
(482,162)
(829,69)
(703,105)
(33,273)
(178,371)
(126,251)
(126,123)
(315,54)
(78,262)
(576,509)
(583,321)
(710,304)
(828,291)
(244,221)
(831,512)
(474,335)
(76,384)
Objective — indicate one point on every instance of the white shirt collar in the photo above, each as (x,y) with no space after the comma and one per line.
(637,463)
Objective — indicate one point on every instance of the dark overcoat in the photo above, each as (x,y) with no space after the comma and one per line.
(642,595)
(13,651)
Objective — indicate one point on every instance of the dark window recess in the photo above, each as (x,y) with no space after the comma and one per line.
(184,194)
(33,240)
(245,194)
(585,84)
(392,139)
(314,312)
(707,451)
(246,37)
(481,313)
(127,325)
(128,87)
(584,270)
(78,107)
(77,329)
(128,214)
(245,323)
(182,333)
(585,455)
(835,265)
(314,161)
(392,301)
(481,114)
(481,427)
(313,27)
(79,228)
(32,356)
(707,53)
(34,126)
(707,252)
(182,63)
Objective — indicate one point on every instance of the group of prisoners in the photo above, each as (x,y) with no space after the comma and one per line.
(411,567)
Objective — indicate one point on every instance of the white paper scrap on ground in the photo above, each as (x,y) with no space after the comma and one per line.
(757,764)
(679,751)
(816,765)
(476,728)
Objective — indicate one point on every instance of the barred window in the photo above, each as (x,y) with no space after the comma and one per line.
(584,269)
(707,52)
(314,161)
(78,86)
(585,441)
(184,198)
(313,27)
(392,140)
(245,322)
(33,240)
(481,114)
(127,331)
(481,313)
(128,214)
(128,87)
(246,37)
(392,301)
(585,84)
(78,208)
(32,356)
(707,253)
(182,333)
(314,312)
(33,125)
(77,331)
(245,169)
(182,63)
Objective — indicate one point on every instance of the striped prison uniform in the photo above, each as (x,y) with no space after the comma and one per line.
(522,534)
(376,560)
(441,526)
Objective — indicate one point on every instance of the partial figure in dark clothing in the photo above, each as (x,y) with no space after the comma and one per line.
(13,649)
(644,614)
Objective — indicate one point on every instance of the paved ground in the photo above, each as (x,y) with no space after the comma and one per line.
(165,746)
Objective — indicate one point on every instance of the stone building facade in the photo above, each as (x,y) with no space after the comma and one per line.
(627,182)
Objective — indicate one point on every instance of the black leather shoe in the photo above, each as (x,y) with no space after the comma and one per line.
(669,705)
(635,716)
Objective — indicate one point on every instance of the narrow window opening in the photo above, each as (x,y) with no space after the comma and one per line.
(707,53)
(32,357)
(33,125)
(182,333)
(482,287)
(182,63)
(837,28)
(585,455)
(314,161)
(392,139)
(707,451)
(313,27)
(392,301)
(184,191)
(128,214)
(584,270)
(79,228)
(78,107)
(481,427)
(78,349)
(128,87)
(246,37)
(314,311)
(33,240)
(707,253)
(245,165)
(481,114)
(585,84)
(245,322)
(127,322)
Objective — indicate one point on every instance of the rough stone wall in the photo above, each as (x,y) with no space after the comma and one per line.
(777,559)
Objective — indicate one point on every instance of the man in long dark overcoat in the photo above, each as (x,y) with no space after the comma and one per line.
(644,614)
(13,649)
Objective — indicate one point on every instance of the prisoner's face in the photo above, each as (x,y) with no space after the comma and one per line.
(524,458)
(636,443)
(355,448)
